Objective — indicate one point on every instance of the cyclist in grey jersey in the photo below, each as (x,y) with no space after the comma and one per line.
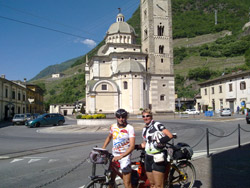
(155,171)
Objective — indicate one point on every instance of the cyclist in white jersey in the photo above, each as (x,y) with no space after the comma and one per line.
(155,167)
(123,136)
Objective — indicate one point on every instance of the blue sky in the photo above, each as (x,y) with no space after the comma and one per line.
(26,48)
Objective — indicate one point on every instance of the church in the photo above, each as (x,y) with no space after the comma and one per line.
(126,75)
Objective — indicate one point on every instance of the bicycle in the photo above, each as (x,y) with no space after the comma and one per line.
(99,181)
(182,172)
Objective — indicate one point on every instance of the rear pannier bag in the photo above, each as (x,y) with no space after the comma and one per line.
(182,151)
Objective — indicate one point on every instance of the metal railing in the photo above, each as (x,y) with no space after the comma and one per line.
(239,128)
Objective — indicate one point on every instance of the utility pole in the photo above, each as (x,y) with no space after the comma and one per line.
(215,17)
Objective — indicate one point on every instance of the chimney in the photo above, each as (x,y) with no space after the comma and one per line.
(24,80)
(3,76)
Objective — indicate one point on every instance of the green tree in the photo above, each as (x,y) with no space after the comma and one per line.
(52,92)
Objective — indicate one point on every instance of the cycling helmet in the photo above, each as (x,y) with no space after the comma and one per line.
(98,156)
(157,136)
(121,113)
(156,139)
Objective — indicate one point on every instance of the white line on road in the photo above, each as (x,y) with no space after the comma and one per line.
(33,160)
(16,160)
(4,157)
(52,160)
(35,157)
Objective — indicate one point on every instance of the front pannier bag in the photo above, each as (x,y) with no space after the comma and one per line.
(182,151)
(98,156)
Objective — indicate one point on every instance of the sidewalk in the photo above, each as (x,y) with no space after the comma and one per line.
(228,169)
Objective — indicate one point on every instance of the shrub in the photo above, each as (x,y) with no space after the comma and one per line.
(89,116)
(95,116)
(79,117)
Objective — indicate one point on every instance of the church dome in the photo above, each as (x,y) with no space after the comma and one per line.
(130,65)
(120,26)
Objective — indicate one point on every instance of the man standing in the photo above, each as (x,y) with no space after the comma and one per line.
(123,144)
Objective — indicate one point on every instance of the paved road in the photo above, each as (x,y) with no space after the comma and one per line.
(33,169)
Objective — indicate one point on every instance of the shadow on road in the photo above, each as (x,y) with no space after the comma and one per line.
(5,124)
(231,169)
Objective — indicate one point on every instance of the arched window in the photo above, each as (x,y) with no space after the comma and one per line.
(160,30)
(125,85)
(161,49)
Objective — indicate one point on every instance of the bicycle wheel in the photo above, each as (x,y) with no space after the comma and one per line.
(98,183)
(182,175)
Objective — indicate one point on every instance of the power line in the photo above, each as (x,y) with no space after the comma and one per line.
(49,20)
(127,7)
(50,29)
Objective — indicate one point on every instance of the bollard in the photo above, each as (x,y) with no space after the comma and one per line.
(207,142)
(239,135)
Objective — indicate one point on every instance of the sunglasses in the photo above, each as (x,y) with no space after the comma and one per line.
(119,117)
(146,116)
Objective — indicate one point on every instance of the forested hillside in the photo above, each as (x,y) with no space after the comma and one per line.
(206,47)
(55,69)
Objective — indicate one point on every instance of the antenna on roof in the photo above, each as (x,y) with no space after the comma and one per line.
(119,10)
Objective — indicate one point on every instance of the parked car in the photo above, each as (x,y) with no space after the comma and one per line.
(225,112)
(20,119)
(248,117)
(46,119)
(192,111)
(35,115)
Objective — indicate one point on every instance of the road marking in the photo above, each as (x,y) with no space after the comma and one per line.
(4,157)
(199,154)
(222,119)
(16,160)
(52,160)
(33,160)
(35,157)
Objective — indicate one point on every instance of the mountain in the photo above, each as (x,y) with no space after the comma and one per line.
(205,46)
(55,69)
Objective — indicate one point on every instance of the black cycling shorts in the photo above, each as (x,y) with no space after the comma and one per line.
(150,165)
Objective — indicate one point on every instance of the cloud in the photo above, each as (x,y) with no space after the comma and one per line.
(90,43)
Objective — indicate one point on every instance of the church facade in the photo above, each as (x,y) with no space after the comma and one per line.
(130,76)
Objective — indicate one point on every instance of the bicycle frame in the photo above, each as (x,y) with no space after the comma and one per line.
(184,177)
(142,180)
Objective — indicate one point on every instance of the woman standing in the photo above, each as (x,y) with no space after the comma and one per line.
(155,162)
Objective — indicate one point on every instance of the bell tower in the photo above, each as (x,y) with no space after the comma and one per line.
(157,43)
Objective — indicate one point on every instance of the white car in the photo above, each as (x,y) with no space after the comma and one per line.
(192,111)
(226,112)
